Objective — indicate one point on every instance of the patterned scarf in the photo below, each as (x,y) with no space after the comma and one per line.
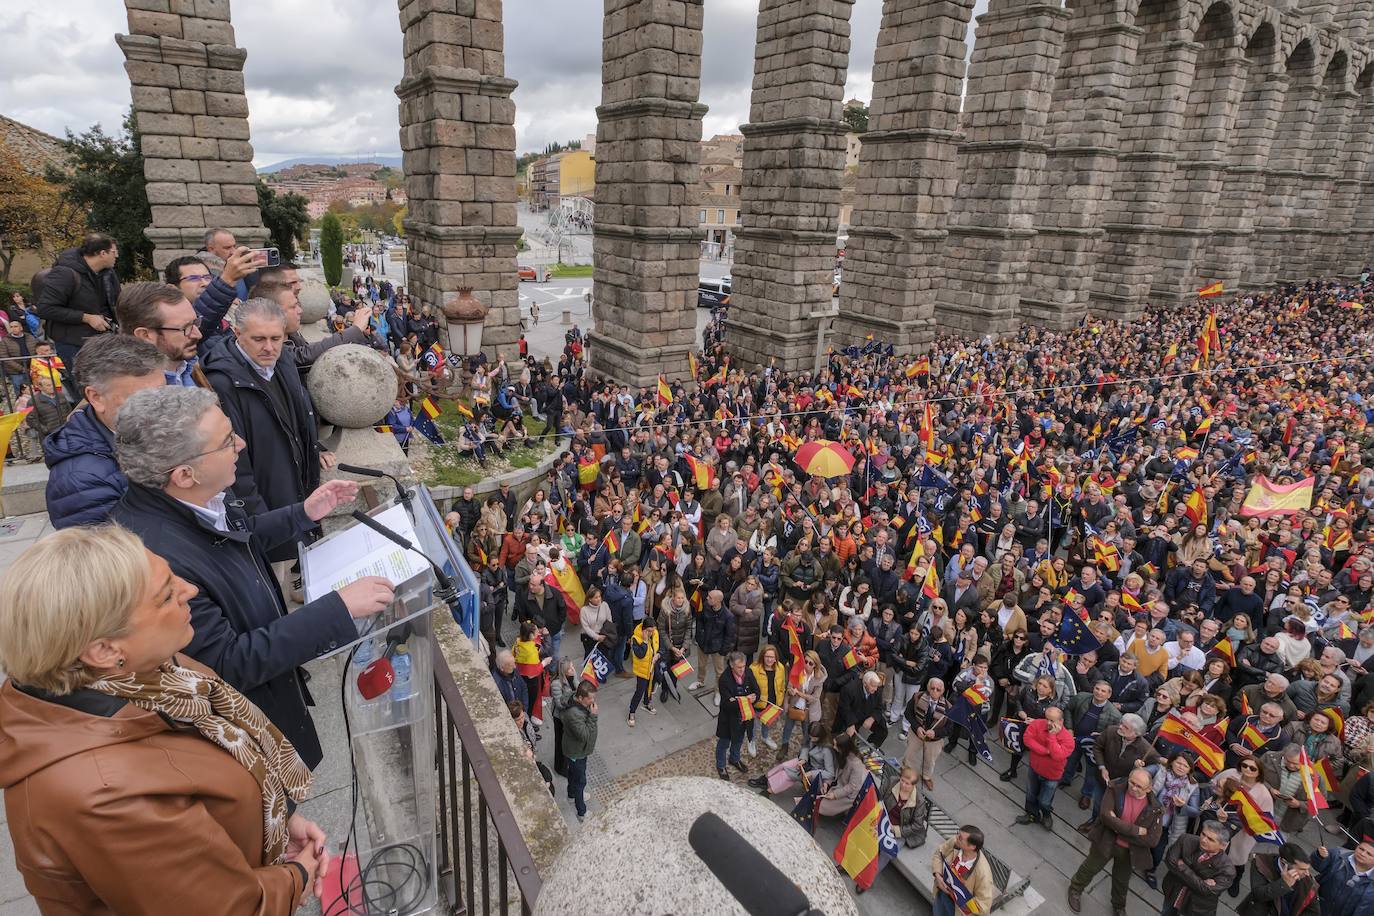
(227,718)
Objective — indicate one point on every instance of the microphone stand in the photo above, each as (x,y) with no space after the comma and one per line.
(402,493)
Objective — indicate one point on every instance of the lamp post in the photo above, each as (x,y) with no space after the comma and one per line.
(465,315)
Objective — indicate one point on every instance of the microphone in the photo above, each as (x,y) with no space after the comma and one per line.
(445,583)
(401,492)
(757,884)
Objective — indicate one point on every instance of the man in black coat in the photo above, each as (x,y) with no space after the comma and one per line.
(831,651)
(267,404)
(737,683)
(78,296)
(545,607)
(861,706)
(1198,871)
(178,450)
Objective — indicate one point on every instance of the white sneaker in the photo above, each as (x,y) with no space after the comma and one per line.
(697,686)
(771,743)
(752,750)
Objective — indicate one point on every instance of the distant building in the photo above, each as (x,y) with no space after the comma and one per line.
(34,150)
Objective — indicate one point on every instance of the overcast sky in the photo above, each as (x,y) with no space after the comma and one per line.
(321,73)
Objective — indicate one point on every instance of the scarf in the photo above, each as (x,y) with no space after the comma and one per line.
(228,719)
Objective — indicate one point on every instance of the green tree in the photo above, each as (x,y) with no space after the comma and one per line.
(857,118)
(106,181)
(331,249)
(286,217)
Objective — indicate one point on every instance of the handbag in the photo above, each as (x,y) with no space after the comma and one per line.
(609,631)
(796,714)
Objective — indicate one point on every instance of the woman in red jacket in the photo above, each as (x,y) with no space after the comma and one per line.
(1049,744)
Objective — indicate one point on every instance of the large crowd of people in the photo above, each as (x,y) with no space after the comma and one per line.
(997,487)
(1141,552)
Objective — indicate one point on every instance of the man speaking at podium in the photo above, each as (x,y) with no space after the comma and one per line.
(179,452)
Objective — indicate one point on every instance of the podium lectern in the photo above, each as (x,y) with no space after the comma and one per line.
(392,836)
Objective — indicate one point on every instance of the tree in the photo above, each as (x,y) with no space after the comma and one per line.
(398,222)
(286,217)
(106,182)
(856,116)
(331,249)
(33,214)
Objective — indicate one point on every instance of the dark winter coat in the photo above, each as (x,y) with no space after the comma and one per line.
(715,631)
(1109,825)
(242,629)
(728,723)
(1186,873)
(281,465)
(72,290)
(84,480)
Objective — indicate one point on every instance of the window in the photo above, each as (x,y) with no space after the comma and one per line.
(720,216)
(702,217)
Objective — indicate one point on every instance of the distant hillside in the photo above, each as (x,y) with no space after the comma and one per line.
(393,161)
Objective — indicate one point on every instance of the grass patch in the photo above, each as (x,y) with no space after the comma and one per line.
(444,465)
(559,271)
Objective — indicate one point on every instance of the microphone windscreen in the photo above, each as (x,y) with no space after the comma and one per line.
(757,884)
(376,679)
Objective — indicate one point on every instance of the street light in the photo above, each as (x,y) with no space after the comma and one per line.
(465,314)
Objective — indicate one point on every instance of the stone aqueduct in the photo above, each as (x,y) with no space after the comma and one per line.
(1095,156)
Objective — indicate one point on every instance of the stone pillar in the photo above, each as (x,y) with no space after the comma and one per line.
(1232,222)
(907,175)
(1357,24)
(646,237)
(1311,221)
(990,229)
(1345,252)
(794,151)
(1200,173)
(1083,133)
(1129,253)
(1283,171)
(187,85)
(458,153)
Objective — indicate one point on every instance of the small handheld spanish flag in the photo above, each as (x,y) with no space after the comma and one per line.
(430,408)
(681,669)
(665,393)
(746,709)
(769,713)
(849,659)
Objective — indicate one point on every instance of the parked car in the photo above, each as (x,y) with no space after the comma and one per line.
(527,273)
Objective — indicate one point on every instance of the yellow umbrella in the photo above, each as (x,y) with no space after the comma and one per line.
(824,458)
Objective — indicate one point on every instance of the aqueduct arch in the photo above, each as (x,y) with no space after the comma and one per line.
(1107,154)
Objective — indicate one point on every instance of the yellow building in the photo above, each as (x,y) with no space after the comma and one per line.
(575,172)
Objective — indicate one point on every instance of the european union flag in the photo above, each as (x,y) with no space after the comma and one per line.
(804,812)
(963,713)
(932,479)
(1074,636)
(425,427)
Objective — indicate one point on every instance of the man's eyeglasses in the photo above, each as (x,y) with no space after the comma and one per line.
(197,278)
(231,442)
(185,329)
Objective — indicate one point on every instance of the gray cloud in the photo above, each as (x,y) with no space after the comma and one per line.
(320,73)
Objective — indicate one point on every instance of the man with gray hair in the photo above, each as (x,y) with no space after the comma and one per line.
(270,409)
(1118,749)
(84,481)
(282,284)
(178,450)
(861,707)
(737,688)
(1198,871)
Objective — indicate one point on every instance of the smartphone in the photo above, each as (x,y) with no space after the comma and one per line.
(266,257)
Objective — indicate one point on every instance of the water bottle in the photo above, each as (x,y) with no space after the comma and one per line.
(364,653)
(400,686)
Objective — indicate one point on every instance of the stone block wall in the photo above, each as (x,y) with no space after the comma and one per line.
(186,81)
(646,237)
(907,176)
(1005,111)
(794,151)
(458,152)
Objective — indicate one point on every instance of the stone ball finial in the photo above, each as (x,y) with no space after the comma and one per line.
(657,816)
(352,386)
(315,301)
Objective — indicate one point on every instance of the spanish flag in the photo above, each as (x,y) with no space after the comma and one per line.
(1215,289)
(1251,736)
(1253,820)
(746,709)
(562,578)
(868,842)
(926,434)
(588,470)
(1195,507)
(919,369)
(703,475)
(1315,799)
(931,586)
(1267,498)
(430,408)
(976,695)
(769,713)
(797,672)
(681,669)
(692,364)
(612,543)
(1204,427)
(1176,731)
(1131,602)
(665,393)
(1171,354)
(1226,651)
(917,553)
(849,659)
(1337,720)
(463,409)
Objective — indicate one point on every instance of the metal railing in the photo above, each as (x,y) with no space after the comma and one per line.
(479,839)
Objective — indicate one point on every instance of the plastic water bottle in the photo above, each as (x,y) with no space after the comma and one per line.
(400,686)
(364,653)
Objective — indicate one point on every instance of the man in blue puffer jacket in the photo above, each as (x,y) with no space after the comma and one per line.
(84,482)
